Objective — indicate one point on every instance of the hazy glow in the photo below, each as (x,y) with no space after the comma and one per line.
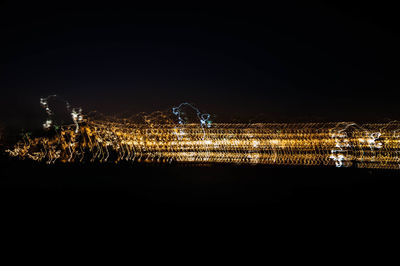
(158,138)
(284,144)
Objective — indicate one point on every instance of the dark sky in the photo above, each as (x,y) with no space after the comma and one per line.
(281,62)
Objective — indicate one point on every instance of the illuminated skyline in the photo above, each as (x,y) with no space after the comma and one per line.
(339,144)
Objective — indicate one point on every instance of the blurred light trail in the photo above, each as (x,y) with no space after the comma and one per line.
(112,140)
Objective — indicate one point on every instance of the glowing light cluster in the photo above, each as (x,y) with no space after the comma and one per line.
(157,137)
(106,140)
(76,113)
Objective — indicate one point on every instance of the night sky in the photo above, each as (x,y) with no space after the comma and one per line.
(282,62)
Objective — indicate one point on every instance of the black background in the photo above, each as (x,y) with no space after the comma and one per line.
(284,61)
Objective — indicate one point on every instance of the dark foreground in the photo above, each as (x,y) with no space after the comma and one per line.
(203,200)
(127,185)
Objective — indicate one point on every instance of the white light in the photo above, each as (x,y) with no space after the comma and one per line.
(48,124)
